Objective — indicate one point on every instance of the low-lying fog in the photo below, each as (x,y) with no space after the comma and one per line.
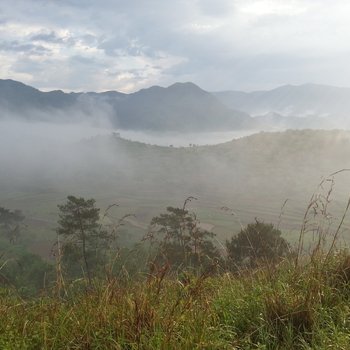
(19,134)
(255,174)
(39,155)
(184,139)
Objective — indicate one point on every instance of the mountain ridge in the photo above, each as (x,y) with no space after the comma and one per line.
(184,107)
(179,107)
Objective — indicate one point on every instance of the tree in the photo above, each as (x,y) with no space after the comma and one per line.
(10,223)
(180,241)
(258,242)
(83,237)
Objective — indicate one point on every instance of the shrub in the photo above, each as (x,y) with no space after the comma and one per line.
(257,243)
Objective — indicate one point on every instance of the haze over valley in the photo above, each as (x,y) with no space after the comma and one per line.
(157,146)
(174,174)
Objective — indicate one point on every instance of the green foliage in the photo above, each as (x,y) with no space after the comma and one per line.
(84,239)
(256,244)
(27,273)
(180,241)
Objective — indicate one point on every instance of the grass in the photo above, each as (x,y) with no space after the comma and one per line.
(305,306)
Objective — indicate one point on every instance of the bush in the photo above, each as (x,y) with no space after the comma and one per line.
(28,273)
(257,243)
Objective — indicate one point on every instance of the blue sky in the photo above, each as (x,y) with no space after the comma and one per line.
(127,45)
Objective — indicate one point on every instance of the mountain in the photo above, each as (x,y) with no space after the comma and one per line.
(17,97)
(180,107)
(183,107)
(289,100)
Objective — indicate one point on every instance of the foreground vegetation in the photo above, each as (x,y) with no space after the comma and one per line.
(177,289)
(281,307)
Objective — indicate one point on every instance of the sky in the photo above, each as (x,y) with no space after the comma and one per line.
(126,45)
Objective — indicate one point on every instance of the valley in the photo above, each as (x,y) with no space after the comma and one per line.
(252,176)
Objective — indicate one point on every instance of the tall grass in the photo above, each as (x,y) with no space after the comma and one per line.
(290,308)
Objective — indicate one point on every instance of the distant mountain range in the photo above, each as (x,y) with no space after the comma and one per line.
(289,100)
(180,107)
(183,107)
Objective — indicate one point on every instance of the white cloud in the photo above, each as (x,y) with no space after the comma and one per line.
(219,44)
(273,7)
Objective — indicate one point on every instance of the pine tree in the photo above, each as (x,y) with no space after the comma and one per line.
(79,225)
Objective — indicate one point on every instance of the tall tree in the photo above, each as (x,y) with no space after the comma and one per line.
(79,225)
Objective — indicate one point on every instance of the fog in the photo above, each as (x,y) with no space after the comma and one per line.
(51,154)
(80,157)
(184,139)
(42,163)
(17,134)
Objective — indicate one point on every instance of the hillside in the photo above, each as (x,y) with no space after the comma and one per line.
(253,176)
(263,162)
